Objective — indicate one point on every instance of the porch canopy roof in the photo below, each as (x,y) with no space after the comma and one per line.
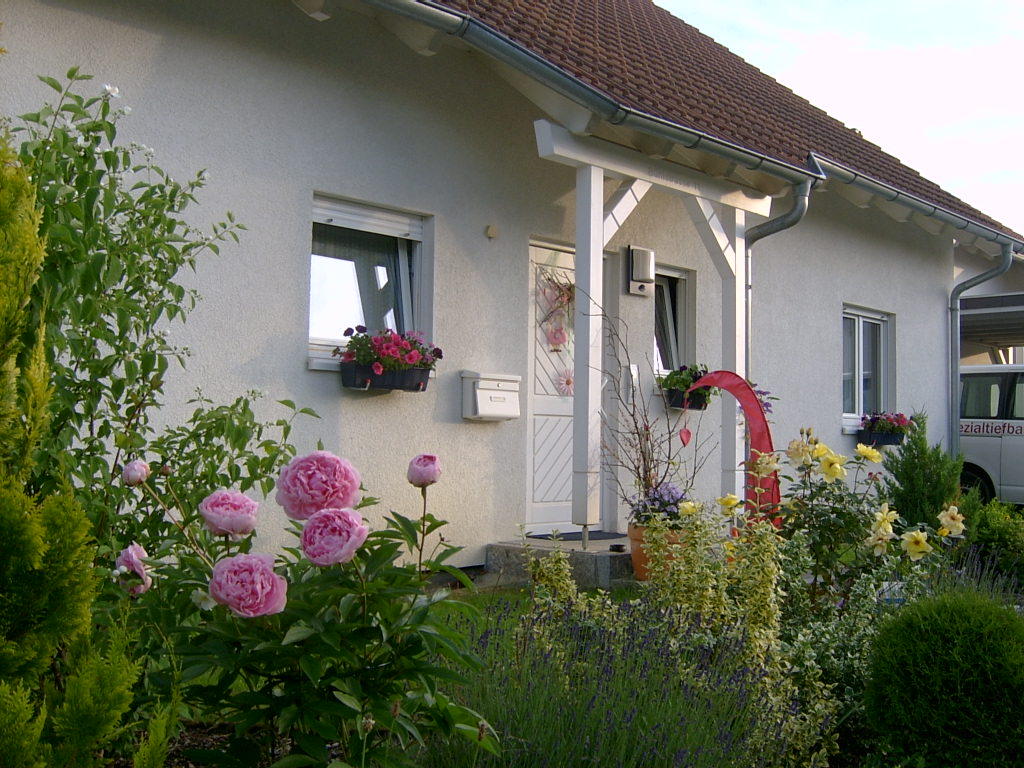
(995,321)
(643,78)
(634,75)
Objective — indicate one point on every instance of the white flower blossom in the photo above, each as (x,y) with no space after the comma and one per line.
(112,91)
(202,599)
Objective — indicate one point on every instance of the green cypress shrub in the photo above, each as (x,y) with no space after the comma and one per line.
(922,480)
(61,699)
(945,682)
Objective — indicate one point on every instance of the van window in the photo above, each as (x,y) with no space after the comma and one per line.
(1017,407)
(981,394)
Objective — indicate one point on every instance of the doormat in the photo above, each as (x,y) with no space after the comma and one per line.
(578,536)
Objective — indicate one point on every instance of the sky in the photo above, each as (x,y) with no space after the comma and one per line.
(939,85)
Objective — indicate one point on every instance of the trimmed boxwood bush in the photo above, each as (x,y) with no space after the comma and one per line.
(946,681)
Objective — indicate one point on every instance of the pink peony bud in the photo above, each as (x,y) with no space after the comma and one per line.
(131,558)
(333,535)
(135,472)
(318,481)
(229,513)
(424,470)
(248,586)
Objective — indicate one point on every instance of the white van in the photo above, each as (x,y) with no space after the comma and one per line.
(992,430)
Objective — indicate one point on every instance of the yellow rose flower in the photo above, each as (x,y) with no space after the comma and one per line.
(879,541)
(884,518)
(687,508)
(952,521)
(832,467)
(799,452)
(870,453)
(819,450)
(915,544)
(729,501)
(765,464)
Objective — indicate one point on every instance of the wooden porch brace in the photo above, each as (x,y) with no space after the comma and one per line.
(728,250)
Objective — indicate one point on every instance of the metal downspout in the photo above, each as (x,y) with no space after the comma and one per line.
(954,341)
(801,201)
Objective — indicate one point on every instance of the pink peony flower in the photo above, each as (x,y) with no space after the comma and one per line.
(248,586)
(135,472)
(130,561)
(317,481)
(424,470)
(229,513)
(333,535)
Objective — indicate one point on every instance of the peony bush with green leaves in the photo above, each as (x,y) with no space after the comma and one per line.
(331,653)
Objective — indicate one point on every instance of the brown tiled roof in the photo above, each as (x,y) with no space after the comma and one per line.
(649,61)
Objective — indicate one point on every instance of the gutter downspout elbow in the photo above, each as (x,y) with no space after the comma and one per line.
(954,341)
(801,195)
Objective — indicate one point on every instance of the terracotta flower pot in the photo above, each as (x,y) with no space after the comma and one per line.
(638,552)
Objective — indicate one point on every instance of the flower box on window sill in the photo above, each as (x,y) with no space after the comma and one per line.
(867,437)
(356,376)
(696,400)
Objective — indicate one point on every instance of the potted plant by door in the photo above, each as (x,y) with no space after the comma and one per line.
(665,502)
(884,428)
(386,360)
(675,384)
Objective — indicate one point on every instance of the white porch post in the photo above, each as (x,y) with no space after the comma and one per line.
(728,249)
(587,328)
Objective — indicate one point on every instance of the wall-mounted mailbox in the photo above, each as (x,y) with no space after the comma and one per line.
(490,396)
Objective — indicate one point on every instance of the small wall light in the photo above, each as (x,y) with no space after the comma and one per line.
(641,271)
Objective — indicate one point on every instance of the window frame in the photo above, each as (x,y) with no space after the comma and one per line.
(886,374)
(415,263)
(684,316)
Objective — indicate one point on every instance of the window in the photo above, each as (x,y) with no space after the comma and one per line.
(981,395)
(865,363)
(365,268)
(670,321)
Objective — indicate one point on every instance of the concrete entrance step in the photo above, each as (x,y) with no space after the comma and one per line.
(597,566)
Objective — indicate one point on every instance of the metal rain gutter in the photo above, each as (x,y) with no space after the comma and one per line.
(886,192)
(484,38)
(954,342)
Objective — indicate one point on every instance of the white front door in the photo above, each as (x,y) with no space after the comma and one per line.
(550,391)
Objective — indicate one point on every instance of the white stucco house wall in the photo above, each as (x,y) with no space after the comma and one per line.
(491,145)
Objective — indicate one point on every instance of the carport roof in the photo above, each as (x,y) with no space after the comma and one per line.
(994,321)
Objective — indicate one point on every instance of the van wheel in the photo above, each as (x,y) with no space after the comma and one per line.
(972,477)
